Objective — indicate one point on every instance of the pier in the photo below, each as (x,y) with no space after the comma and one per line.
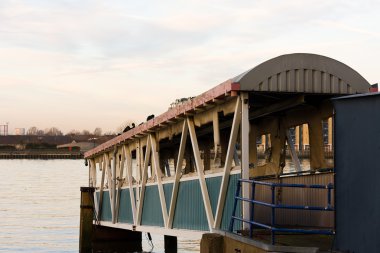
(40,154)
(195,169)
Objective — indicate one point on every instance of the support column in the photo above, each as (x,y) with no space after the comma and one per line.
(305,135)
(330,133)
(245,154)
(170,243)
(86,217)
(297,138)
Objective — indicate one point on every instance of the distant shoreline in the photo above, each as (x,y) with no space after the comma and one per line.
(40,154)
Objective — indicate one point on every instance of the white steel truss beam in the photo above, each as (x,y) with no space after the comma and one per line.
(103,164)
(228,164)
(143,182)
(128,156)
(158,176)
(293,152)
(245,154)
(201,176)
(119,185)
(109,182)
(177,177)
(113,188)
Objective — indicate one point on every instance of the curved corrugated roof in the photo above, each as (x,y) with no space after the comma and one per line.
(300,72)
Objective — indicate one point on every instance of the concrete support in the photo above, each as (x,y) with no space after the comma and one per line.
(170,243)
(86,217)
(212,243)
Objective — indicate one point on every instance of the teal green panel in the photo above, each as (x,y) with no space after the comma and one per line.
(106,214)
(229,204)
(168,188)
(213,187)
(125,208)
(190,212)
(152,212)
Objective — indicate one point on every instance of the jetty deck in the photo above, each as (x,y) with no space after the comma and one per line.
(183,171)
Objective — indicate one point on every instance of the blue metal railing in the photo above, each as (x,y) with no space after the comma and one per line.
(275,206)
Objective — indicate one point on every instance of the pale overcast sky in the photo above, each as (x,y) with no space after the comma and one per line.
(84,64)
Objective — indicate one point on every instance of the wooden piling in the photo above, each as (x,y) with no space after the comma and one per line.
(86,219)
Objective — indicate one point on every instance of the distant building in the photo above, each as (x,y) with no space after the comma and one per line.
(19,131)
(4,129)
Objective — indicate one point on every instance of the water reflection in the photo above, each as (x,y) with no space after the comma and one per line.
(39,207)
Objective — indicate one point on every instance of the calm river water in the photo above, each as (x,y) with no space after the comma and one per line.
(39,207)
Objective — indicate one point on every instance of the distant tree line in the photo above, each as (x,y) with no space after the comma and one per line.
(54,131)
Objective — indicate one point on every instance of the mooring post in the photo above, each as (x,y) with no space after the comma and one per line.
(170,243)
(86,218)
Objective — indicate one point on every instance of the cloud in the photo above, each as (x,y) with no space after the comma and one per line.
(110,61)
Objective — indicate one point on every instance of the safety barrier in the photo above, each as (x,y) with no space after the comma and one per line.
(272,227)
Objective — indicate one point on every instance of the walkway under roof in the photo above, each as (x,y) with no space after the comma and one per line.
(314,77)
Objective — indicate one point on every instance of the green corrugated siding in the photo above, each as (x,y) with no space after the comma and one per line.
(190,212)
(168,189)
(152,212)
(106,214)
(229,204)
(213,187)
(125,208)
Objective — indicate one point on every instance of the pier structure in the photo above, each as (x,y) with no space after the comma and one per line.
(179,173)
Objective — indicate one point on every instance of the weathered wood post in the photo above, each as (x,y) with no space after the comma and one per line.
(86,218)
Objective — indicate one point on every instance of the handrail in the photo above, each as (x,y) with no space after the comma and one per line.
(274,206)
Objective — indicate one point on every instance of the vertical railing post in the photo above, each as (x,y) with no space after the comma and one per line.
(244,129)
(273,188)
(252,209)
(329,196)
(234,209)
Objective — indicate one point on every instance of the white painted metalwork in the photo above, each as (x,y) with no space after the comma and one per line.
(293,152)
(178,169)
(245,154)
(157,170)
(119,185)
(199,165)
(128,157)
(143,183)
(228,164)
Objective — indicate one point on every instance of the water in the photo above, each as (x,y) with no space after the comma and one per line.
(39,207)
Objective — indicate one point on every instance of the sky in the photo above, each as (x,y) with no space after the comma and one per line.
(82,64)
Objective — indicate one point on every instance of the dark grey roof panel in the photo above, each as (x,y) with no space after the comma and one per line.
(308,73)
